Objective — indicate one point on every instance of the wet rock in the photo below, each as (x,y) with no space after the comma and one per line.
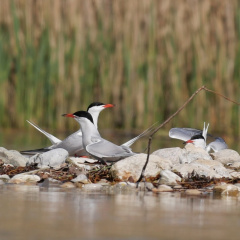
(171,154)
(4,177)
(53,158)
(67,185)
(162,188)
(12,157)
(82,178)
(131,167)
(226,189)
(124,187)
(167,177)
(201,167)
(193,192)
(24,178)
(226,156)
(92,187)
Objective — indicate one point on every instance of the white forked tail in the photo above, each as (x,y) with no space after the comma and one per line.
(132,141)
(204,132)
(53,139)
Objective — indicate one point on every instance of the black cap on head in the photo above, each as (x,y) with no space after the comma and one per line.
(95,104)
(84,114)
(199,136)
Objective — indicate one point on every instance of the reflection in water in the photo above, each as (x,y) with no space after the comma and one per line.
(30,212)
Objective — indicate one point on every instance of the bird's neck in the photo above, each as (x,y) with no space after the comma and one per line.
(95,115)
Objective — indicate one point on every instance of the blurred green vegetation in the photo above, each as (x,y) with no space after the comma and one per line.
(147,57)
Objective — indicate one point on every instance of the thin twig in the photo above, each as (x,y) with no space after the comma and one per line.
(172,116)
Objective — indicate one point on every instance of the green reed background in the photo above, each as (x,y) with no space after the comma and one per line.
(146,56)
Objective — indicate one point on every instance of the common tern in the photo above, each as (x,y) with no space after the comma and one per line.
(73,143)
(198,138)
(94,144)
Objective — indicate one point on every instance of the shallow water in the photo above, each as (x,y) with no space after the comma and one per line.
(30,212)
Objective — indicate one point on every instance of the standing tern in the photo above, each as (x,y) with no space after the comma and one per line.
(73,143)
(198,138)
(94,144)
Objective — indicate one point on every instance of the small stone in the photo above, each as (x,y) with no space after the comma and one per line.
(131,167)
(92,187)
(67,185)
(226,156)
(82,178)
(23,178)
(53,158)
(167,177)
(226,189)
(12,157)
(4,177)
(162,188)
(193,192)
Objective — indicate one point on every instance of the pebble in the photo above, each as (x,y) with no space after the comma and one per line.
(162,188)
(24,178)
(92,187)
(82,178)
(226,189)
(67,185)
(4,177)
(193,192)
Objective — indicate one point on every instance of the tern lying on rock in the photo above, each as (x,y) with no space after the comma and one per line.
(198,138)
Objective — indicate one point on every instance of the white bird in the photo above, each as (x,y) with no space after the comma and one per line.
(94,144)
(73,143)
(198,138)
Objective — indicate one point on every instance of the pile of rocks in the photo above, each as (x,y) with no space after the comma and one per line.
(166,171)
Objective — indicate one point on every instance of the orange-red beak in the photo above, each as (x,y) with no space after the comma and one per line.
(68,115)
(109,105)
(188,141)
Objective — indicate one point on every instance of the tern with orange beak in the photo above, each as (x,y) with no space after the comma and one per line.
(98,147)
(198,138)
(73,143)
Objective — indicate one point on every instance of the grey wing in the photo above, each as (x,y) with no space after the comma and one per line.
(133,140)
(183,133)
(107,150)
(217,145)
(53,139)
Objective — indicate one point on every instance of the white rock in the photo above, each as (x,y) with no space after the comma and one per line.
(235,175)
(81,178)
(191,153)
(235,165)
(53,158)
(227,189)
(201,167)
(169,178)
(226,156)
(4,177)
(12,157)
(171,154)
(67,185)
(80,160)
(193,192)
(162,188)
(132,166)
(22,178)
(92,187)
